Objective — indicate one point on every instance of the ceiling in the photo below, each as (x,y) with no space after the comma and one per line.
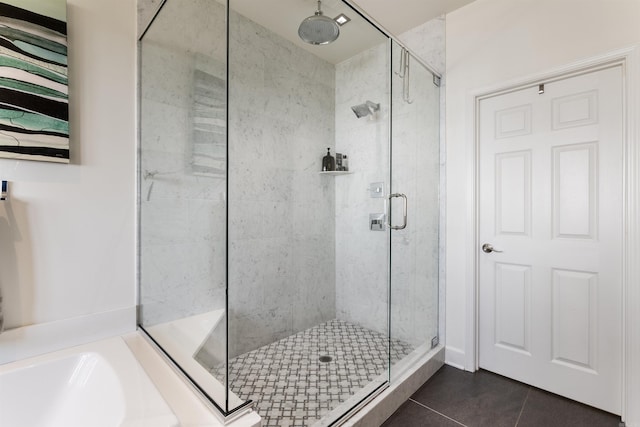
(397,16)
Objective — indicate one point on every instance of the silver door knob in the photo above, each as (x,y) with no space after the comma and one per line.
(487,248)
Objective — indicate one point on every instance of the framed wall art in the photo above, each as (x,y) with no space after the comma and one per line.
(34,101)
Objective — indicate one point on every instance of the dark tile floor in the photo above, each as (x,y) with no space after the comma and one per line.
(454,398)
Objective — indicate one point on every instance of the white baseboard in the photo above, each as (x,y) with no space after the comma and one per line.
(454,357)
(33,340)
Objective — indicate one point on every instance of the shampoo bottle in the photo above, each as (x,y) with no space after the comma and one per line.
(328,162)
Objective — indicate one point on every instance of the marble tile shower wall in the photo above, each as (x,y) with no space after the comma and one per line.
(416,171)
(301,252)
(182,223)
(361,264)
(281,211)
(428,41)
(146,10)
(362,255)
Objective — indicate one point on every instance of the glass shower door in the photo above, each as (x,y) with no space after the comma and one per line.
(415,214)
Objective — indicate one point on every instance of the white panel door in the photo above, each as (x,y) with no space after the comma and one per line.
(550,198)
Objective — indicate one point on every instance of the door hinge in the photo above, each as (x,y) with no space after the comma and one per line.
(436,80)
(435,341)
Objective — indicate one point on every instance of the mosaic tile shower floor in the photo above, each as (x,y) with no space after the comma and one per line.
(291,387)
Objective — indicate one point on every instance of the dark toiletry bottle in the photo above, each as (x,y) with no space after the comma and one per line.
(328,162)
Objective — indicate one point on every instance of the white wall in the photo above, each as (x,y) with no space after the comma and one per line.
(67,234)
(490,42)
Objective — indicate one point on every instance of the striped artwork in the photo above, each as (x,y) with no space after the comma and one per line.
(34,102)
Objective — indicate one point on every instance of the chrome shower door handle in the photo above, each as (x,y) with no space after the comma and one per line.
(487,248)
(404,212)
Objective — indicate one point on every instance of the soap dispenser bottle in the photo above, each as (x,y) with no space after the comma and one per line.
(328,162)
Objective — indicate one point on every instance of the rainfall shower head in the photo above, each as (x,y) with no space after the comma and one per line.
(318,29)
(366,109)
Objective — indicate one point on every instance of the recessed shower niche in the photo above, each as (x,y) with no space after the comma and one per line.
(260,276)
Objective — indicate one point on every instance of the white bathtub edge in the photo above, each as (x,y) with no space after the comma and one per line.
(183,401)
(29,341)
(140,401)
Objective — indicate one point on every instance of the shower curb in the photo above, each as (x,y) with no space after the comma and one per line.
(385,404)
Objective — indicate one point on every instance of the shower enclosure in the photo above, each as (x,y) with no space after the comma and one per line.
(270,283)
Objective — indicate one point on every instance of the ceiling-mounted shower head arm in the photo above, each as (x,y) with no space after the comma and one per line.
(318,29)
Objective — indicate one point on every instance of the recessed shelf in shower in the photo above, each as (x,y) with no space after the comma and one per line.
(335,173)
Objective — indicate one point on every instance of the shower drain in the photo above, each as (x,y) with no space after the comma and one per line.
(325,359)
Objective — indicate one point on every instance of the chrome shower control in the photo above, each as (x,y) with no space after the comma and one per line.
(376,222)
(376,190)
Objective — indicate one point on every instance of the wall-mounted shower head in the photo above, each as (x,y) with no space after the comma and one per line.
(319,29)
(367,109)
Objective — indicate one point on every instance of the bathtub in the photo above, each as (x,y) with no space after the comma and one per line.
(94,385)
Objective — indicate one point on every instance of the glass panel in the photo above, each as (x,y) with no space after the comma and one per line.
(242,231)
(182,189)
(308,279)
(416,174)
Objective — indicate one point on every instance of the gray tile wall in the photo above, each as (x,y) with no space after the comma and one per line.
(361,263)
(182,265)
(300,247)
(362,255)
(415,172)
(282,259)
(428,41)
